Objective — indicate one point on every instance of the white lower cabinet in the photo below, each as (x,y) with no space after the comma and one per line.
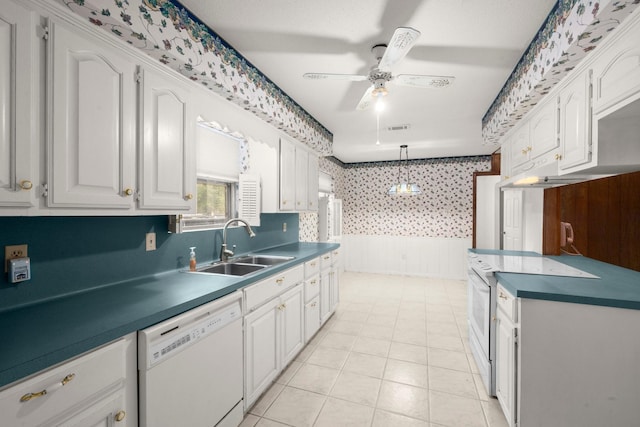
(274,334)
(506,354)
(96,389)
(311,317)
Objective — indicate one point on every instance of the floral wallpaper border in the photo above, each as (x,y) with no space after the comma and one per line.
(166,31)
(572,30)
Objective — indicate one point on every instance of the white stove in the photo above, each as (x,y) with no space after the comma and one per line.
(526,265)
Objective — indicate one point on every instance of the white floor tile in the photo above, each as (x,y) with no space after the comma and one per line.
(454,411)
(388,419)
(338,413)
(365,364)
(356,388)
(296,407)
(408,352)
(404,399)
(318,379)
(329,357)
(406,373)
(453,382)
(372,346)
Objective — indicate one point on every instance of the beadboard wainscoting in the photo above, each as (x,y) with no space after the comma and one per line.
(440,257)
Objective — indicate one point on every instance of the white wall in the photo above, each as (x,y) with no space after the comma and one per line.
(532,212)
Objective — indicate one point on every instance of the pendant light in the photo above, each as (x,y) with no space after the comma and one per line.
(404,187)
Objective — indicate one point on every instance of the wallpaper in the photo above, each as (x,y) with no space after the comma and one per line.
(573,29)
(164,30)
(444,209)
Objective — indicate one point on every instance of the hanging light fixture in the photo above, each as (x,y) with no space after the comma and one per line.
(404,187)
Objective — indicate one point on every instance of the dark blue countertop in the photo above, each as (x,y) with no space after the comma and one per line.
(616,286)
(41,335)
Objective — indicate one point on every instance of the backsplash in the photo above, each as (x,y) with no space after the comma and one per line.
(74,254)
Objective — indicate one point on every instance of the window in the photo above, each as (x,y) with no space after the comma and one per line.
(216,204)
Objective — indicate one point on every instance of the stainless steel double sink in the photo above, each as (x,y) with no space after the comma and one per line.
(243,265)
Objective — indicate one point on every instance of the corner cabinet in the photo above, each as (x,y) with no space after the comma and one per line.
(91,138)
(166,181)
(17,160)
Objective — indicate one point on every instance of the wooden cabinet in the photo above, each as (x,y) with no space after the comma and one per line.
(166,179)
(575,122)
(91,139)
(18,139)
(98,388)
(506,353)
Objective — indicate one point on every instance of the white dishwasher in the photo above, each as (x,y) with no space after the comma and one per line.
(190,367)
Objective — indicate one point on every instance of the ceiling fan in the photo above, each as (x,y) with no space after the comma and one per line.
(387,56)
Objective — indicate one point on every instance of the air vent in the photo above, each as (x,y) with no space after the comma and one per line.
(398,127)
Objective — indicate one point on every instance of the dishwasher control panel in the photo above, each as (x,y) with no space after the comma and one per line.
(164,342)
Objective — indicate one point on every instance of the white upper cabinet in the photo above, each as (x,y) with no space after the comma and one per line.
(91,139)
(17,140)
(302,179)
(313,182)
(616,73)
(298,178)
(575,122)
(543,128)
(166,179)
(287,175)
(520,145)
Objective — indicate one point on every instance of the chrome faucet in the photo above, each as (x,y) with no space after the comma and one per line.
(224,252)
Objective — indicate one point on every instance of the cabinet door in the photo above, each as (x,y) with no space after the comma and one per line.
(325,297)
(107,412)
(166,180)
(334,288)
(543,129)
(302,179)
(520,145)
(311,318)
(313,183)
(287,175)
(91,111)
(575,122)
(506,366)
(17,170)
(291,314)
(262,358)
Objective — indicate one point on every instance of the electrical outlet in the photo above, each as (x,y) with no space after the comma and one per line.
(14,251)
(151,242)
(284,227)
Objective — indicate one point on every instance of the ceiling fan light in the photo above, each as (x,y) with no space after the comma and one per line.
(379,92)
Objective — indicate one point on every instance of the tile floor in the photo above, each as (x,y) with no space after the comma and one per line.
(394,354)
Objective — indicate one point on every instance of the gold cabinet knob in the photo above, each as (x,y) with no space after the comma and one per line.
(26,184)
(280,281)
(120,416)
(558,156)
(524,151)
(128,192)
(188,196)
(529,148)
(284,202)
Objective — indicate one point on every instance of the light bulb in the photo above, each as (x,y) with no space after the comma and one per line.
(379,105)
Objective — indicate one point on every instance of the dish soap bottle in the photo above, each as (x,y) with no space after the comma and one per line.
(192,259)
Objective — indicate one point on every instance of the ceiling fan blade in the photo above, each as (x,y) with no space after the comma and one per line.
(415,80)
(327,76)
(366,100)
(401,42)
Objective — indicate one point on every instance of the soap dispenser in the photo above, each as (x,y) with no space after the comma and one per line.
(192,259)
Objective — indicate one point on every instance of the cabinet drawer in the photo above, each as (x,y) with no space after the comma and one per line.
(326,260)
(44,397)
(311,287)
(507,303)
(271,287)
(311,267)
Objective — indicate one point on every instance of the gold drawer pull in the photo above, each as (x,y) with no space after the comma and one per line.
(280,281)
(189,196)
(314,281)
(281,307)
(314,304)
(27,397)
(503,296)
(327,257)
(119,416)
(313,264)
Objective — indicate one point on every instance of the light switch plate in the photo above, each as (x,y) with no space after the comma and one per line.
(151,242)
